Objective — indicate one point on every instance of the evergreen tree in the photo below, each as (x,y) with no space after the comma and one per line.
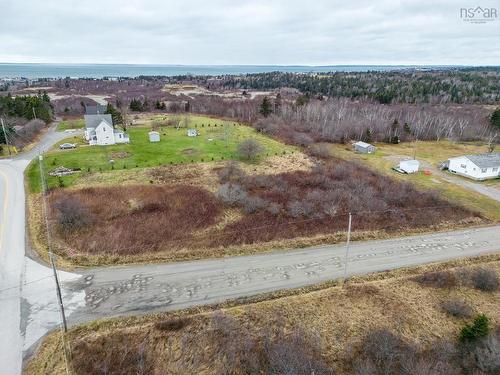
(495,118)
(135,105)
(265,107)
(116,116)
(478,329)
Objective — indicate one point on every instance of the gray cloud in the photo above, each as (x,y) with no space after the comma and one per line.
(318,32)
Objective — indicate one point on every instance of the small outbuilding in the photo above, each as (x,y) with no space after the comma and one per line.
(364,148)
(192,133)
(154,136)
(409,166)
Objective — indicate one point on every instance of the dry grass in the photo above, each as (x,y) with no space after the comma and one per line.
(340,317)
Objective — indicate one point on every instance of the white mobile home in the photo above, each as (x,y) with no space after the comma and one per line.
(364,148)
(477,167)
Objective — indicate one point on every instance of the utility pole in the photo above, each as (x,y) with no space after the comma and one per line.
(64,325)
(5,135)
(347,247)
(51,255)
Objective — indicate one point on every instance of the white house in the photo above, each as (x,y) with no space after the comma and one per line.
(154,136)
(409,166)
(364,148)
(477,167)
(99,131)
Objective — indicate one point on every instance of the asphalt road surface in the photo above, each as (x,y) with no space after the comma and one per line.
(28,307)
(143,289)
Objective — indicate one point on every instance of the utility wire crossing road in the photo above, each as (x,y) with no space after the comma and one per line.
(142,289)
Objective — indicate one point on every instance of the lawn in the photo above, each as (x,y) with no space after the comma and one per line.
(217,140)
(430,154)
(71,124)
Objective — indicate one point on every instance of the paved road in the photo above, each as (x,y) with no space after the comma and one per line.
(27,295)
(142,289)
(16,284)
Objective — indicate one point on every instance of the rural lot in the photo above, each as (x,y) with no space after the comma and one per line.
(205,228)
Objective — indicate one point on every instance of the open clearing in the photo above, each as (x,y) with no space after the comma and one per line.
(326,326)
(217,141)
(430,154)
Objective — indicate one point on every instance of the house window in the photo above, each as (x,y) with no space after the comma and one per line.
(463,166)
(484,170)
(495,169)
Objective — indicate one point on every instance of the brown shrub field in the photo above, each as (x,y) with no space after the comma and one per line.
(139,219)
(130,219)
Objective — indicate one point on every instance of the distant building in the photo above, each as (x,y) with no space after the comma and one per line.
(409,166)
(154,136)
(99,131)
(477,167)
(98,109)
(192,133)
(364,148)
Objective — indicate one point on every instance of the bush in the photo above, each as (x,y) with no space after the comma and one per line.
(231,172)
(485,279)
(458,308)
(478,329)
(232,194)
(172,325)
(438,279)
(320,150)
(249,149)
(72,214)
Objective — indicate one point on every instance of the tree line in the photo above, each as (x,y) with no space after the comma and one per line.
(408,86)
(27,106)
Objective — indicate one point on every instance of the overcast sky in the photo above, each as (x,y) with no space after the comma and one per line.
(287,32)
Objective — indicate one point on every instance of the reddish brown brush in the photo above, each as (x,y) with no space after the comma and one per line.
(137,219)
(318,202)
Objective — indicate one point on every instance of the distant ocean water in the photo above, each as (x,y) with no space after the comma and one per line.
(10,70)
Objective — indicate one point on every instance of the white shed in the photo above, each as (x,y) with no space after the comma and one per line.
(409,166)
(192,133)
(154,136)
(364,148)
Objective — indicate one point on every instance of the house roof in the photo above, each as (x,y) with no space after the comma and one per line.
(485,160)
(98,109)
(363,144)
(92,121)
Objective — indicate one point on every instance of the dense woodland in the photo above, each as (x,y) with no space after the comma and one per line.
(435,87)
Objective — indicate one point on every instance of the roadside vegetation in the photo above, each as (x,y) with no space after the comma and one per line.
(385,323)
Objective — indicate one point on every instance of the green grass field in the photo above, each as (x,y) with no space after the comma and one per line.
(70,124)
(215,142)
(430,154)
